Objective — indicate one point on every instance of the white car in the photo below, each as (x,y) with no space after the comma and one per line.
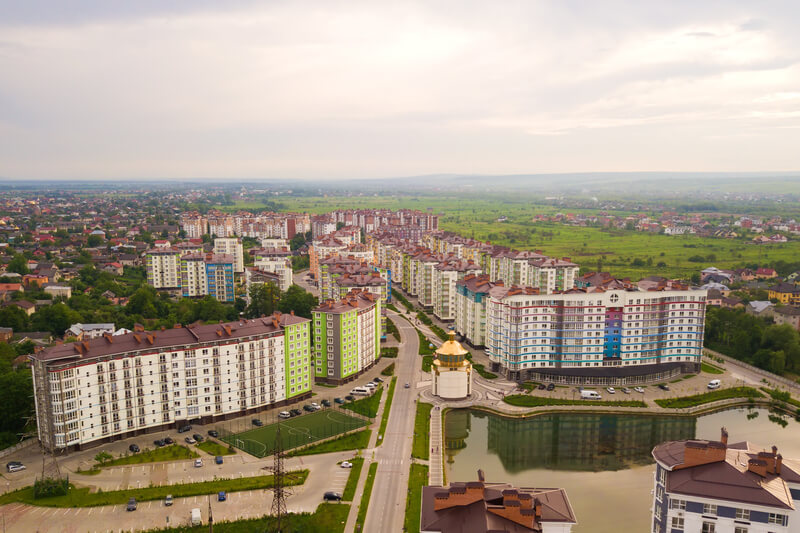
(347,464)
(198,463)
(638,389)
(284,414)
(316,406)
(611,390)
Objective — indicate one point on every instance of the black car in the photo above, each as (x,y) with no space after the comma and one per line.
(349,397)
(541,386)
(131,504)
(134,448)
(168,440)
(338,400)
(378,380)
(198,437)
(308,408)
(331,496)
(213,433)
(257,422)
(551,386)
(326,403)
(159,442)
(295,412)
(663,386)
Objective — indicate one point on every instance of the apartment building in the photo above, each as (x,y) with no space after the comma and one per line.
(550,275)
(278,261)
(472,294)
(347,336)
(443,286)
(114,387)
(708,486)
(163,268)
(194,225)
(231,246)
(208,275)
(580,333)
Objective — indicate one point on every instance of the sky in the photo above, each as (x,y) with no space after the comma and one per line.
(338,90)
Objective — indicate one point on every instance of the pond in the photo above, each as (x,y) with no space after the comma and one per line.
(603,461)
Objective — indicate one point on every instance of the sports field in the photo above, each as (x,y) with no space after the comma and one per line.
(295,432)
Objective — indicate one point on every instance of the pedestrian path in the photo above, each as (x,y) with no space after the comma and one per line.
(435,470)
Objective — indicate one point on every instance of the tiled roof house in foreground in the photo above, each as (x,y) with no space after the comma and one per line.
(706,486)
(482,507)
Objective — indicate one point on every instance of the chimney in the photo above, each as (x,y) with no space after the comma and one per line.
(481,477)
(778,464)
(537,507)
(724,436)
(757,466)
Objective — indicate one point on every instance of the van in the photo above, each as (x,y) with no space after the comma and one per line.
(197,518)
(714,384)
(15,466)
(590,395)
(363,391)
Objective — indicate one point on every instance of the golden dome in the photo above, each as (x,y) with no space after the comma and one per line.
(451,353)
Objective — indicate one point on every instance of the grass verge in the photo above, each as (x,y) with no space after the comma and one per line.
(479,368)
(215,448)
(711,369)
(422,427)
(706,397)
(389,351)
(427,361)
(424,344)
(366,406)
(523,400)
(362,508)
(392,329)
(352,480)
(402,299)
(418,478)
(354,441)
(388,371)
(83,498)
(173,452)
(386,408)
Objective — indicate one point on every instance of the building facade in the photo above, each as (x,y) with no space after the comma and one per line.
(163,268)
(113,387)
(231,246)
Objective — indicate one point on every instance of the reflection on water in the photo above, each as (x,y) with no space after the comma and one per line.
(602,461)
(568,442)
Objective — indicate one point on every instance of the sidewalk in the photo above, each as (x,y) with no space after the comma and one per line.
(435,466)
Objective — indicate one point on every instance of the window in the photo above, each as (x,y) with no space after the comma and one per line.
(709,527)
(662,476)
(677,523)
(709,509)
(777,519)
(677,504)
(740,529)
(742,514)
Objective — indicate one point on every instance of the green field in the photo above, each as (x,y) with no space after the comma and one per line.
(295,432)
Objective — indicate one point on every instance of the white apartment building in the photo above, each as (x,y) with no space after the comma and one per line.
(163,268)
(112,387)
(278,263)
(231,246)
(550,275)
(587,328)
(274,242)
(472,294)
(194,277)
(443,286)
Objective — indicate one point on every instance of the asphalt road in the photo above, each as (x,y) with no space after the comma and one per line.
(387,505)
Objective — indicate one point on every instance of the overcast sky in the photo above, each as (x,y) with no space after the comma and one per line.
(147,89)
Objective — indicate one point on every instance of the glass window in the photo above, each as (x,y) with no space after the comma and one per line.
(677,504)
(709,527)
(709,509)
(677,523)
(743,514)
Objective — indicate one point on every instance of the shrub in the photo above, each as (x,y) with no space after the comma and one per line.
(48,487)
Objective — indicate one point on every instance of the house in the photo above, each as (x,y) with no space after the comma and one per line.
(731,303)
(714,297)
(113,268)
(766,273)
(59,291)
(787,315)
(760,308)
(35,279)
(714,486)
(6,334)
(484,507)
(785,293)
(89,331)
(28,307)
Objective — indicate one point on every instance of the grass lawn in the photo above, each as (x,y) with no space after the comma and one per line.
(352,480)
(354,441)
(365,496)
(366,406)
(173,452)
(706,397)
(389,351)
(215,448)
(711,369)
(388,371)
(386,408)
(402,299)
(424,344)
(479,368)
(418,478)
(422,427)
(83,498)
(328,518)
(295,432)
(523,400)
(391,329)
(427,362)
(782,396)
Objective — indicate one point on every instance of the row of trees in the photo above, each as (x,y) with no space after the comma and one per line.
(752,339)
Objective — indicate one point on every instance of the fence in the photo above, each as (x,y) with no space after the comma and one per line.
(754,369)
(16,447)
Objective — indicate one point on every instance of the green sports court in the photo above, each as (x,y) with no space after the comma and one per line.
(297,431)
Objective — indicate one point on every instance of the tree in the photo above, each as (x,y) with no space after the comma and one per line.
(93,241)
(298,300)
(13,317)
(18,264)
(297,241)
(264,298)
(55,318)
(102,457)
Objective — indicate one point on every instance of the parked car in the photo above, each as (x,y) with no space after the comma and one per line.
(663,386)
(15,466)
(331,496)
(308,408)
(326,403)
(160,442)
(168,440)
(198,463)
(131,504)
(184,429)
(626,390)
(406,386)
(551,386)
(190,440)
(346,464)
(378,380)
(541,386)
(221,496)
(168,500)
(714,384)
(134,448)
(316,406)
(639,389)
(284,414)
(213,433)
(257,422)
(611,390)
(218,459)
(338,400)
(296,412)
(349,397)
(198,437)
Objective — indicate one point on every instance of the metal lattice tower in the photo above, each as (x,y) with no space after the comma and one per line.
(279,490)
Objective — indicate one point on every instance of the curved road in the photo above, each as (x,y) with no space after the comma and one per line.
(387,504)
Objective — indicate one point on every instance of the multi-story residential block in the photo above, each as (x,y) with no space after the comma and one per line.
(208,274)
(163,268)
(576,335)
(472,295)
(113,387)
(278,261)
(372,282)
(707,486)
(346,336)
(231,246)
(194,277)
(445,276)
(550,275)
(194,225)
(254,276)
